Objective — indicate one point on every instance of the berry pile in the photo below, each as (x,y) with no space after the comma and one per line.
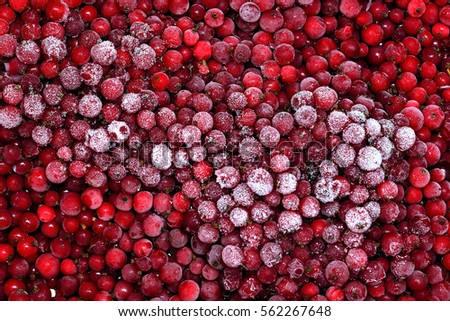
(224,149)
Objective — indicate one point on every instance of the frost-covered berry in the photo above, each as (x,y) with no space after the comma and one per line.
(327,190)
(302,98)
(225,203)
(70,78)
(279,163)
(42,135)
(190,135)
(237,101)
(243,195)
(208,211)
(269,136)
(128,43)
(10,117)
(404,138)
(385,147)
(232,256)
(91,74)
(161,157)
(104,53)
(358,220)
(131,103)
(289,221)
(149,175)
(309,207)
(387,127)
(260,181)
(118,131)
(239,216)
(343,155)
(228,177)
(286,183)
(141,30)
(33,106)
(90,106)
(28,52)
(325,97)
(353,134)
(357,116)
(373,127)
(144,57)
(328,169)
(53,48)
(337,121)
(369,158)
(260,212)
(271,253)
(65,153)
(98,140)
(306,116)
(373,208)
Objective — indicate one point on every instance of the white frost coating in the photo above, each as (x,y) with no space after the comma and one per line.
(129,43)
(358,220)
(33,106)
(181,158)
(41,135)
(337,121)
(404,139)
(306,116)
(10,117)
(54,48)
(144,57)
(310,207)
(373,127)
(149,175)
(224,203)
(357,116)
(131,102)
(190,135)
(327,190)
(352,239)
(227,177)
(98,140)
(237,101)
(387,127)
(374,209)
(271,253)
(369,158)
(385,146)
(91,73)
(161,157)
(208,211)
(302,98)
(353,134)
(286,183)
(260,212)
(289,222)
(328,169)
(260,181)
(232,256)
(118,131)
(197,153)
(343,155)
(104,53)
(90,106)
(238,216)
(243,195)
(269,136)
